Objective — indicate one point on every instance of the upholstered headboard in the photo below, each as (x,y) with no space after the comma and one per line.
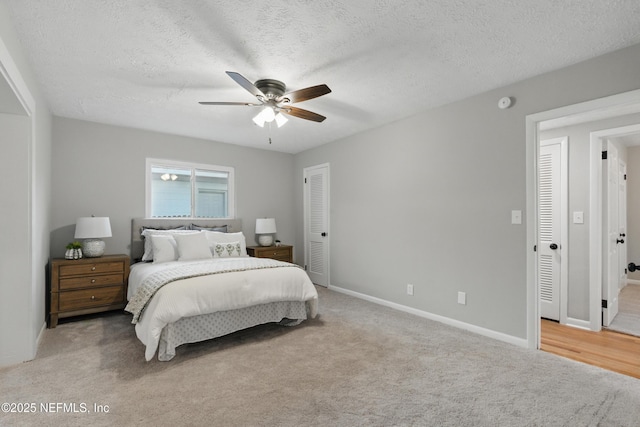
(137,242)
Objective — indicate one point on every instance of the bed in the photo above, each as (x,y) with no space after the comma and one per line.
(179,294)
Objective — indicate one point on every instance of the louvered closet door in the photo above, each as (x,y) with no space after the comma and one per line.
(316,190)
(549,230)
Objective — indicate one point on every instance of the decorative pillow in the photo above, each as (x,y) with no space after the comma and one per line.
(226,250)
(220,228)
(215,237)
(148,247)
(192,246)
(165,248)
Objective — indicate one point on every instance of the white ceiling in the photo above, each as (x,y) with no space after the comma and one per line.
(147,63)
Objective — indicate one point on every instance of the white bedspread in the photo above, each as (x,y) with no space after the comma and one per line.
(220,292)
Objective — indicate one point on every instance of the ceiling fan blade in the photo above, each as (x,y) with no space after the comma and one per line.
(303,114)
(248,104)
(304,94)
(250,87)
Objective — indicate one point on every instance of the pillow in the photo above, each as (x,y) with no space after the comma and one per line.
(216,237)
(192,246)
(226,250)
(180,227)
(148,247)
(165,248)
(220,228)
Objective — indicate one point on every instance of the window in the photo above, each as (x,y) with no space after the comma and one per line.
(187,190)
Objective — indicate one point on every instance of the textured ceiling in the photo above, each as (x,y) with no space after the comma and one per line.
(147,63)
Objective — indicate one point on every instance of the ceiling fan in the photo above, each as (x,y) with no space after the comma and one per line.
(271,95)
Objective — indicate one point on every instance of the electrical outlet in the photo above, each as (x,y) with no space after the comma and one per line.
(409,289)
(462,298)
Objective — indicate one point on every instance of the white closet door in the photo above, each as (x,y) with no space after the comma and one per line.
(316,195)
(549,202)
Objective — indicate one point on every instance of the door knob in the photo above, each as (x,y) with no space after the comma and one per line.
(619,240)
(623,235)
(553,246)
(323,234)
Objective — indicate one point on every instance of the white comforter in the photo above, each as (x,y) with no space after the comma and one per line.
(219,292)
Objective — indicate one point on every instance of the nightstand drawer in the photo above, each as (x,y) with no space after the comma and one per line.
(87,298)
(91,268)
(89,281)
(280,253)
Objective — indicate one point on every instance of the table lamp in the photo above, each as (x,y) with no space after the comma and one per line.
(265,229)
(92,230)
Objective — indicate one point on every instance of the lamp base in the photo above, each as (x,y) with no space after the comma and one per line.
(93,248)
(265,240)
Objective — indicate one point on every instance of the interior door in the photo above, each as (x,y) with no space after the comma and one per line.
(613,239)
(316,206)
(549,228)
(622,224)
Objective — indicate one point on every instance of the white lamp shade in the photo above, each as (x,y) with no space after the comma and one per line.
(259,120)
(281,119)
(268,114)
(265,225)
(93,227)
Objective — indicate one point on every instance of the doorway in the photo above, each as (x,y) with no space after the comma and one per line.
(613,106)
(621,296)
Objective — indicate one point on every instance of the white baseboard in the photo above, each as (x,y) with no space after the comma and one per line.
(520,342)
(577,323)
(633,282)
(38,339)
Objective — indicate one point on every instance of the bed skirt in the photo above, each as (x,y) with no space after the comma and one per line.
(208,326)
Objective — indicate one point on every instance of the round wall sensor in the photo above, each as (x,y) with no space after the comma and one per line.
(504,103)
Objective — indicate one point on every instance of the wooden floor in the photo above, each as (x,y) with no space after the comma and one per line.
(607,349)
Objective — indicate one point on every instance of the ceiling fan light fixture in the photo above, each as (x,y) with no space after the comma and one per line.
(268,114)
(281,119)
(259,120)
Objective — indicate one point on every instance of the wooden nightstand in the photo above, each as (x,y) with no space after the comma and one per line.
(281,253)
(87,285)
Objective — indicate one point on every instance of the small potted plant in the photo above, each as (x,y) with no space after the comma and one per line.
(74,251)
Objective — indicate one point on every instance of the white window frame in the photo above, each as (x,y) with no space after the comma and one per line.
(150,162)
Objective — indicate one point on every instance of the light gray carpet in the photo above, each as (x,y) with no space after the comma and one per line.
(357,364)
(628,318)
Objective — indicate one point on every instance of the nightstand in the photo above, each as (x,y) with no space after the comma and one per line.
(281,253)
(87,285)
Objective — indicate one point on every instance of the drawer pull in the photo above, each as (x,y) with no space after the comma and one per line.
(93,297)
(93,268)
(93,280)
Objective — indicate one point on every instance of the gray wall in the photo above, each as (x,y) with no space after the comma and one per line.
(25,227)
(427,200)
(100,169)
(578,254)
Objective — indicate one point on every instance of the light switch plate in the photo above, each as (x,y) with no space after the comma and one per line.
(462,298)
(578,217)
(516,217)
